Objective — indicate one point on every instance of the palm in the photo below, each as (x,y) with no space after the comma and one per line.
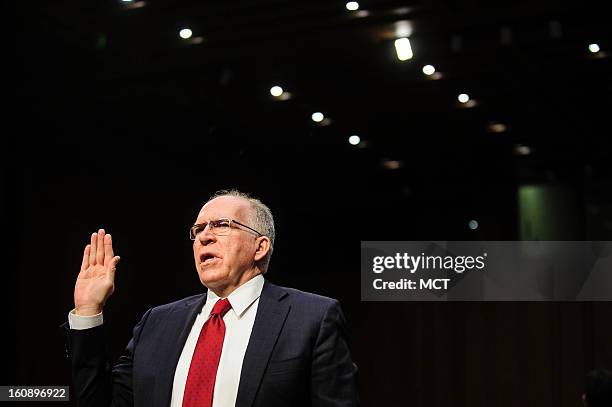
(92,285)
(96,280)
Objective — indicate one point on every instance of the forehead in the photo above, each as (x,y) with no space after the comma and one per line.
(225,207)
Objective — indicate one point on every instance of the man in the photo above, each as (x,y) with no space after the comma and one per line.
(246,342)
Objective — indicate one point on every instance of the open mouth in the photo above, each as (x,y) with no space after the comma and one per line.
(207,259)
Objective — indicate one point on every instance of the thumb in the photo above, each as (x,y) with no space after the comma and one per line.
(114,262)
(110,276)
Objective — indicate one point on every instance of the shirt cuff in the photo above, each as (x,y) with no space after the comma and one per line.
(80,322)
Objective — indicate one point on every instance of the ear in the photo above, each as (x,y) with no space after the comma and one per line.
(263,247)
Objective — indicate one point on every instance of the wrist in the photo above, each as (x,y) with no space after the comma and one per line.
(87,311)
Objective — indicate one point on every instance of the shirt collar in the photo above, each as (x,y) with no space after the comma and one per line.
(242,297)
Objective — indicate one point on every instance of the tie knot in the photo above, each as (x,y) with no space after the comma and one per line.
(221,307)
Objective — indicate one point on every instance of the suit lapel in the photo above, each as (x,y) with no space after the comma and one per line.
(271,315)
(181,319)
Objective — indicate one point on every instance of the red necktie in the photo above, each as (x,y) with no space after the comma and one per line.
(205,361)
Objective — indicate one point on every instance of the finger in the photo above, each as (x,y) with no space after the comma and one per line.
(93,248)
(113,267)
(114,263)
(100,248)
(85,262)
(108,250)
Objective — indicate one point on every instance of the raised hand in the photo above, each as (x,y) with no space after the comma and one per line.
(96,281)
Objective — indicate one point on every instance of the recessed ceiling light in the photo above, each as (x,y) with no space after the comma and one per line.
(317,117)
(403,49)
(352,6)
(276,91)
(429,70)
(594,48)
(185,33)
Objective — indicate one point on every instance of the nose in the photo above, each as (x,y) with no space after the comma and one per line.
(206,237)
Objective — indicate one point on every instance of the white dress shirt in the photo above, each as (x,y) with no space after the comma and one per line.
(238,326)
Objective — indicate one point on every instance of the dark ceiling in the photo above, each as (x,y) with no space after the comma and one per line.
(117,74)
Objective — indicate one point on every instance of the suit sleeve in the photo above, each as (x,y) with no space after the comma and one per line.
(333,372)
(96,383)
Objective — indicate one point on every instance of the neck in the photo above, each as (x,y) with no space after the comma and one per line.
(225,291)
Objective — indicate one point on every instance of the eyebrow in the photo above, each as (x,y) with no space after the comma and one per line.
(215,218)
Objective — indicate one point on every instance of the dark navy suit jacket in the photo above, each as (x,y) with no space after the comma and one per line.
(297,355)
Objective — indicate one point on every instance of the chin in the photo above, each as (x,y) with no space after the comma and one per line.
(211,278)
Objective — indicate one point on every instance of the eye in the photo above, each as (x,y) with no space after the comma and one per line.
(221,223)
(198,228)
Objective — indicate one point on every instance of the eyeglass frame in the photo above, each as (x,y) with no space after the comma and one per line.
(195,235)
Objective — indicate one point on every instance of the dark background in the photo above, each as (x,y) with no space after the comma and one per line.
(111,120)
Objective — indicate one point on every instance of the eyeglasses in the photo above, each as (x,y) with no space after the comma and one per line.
(219,227)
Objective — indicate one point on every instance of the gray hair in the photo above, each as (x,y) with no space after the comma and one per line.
(261,218)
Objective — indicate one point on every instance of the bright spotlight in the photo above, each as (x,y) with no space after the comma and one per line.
(352,6)
(185,33)
(429,70)
(594,48)
(473,224)
(317,117)
(403,49)
(354,140)
(276,91)
(463,98)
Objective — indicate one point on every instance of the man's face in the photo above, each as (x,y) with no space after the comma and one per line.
(221,261)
